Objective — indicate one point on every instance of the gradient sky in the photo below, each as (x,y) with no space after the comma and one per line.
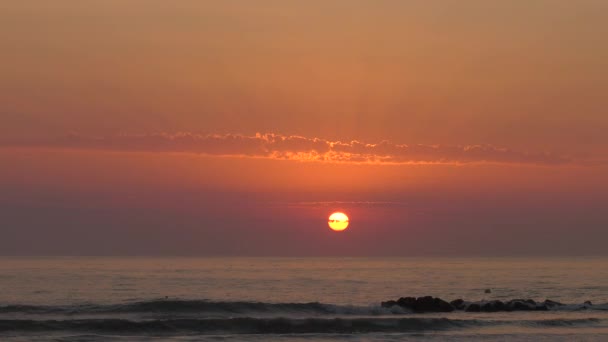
(236,127)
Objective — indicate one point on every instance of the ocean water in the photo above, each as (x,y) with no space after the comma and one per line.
(293,299)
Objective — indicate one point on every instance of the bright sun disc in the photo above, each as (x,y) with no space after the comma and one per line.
(338,221)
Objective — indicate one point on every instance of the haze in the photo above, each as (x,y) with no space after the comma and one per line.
(236,127)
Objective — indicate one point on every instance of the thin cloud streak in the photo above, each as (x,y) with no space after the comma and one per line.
(300,148)
(332,204)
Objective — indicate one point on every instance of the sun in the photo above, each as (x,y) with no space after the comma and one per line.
(338,221)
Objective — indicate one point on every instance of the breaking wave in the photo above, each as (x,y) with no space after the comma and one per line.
(201,306)
(237,307)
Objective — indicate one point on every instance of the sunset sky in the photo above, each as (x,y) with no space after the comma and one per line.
(236,127)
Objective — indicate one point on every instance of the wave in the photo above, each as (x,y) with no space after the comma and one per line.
(238,307)
(204,306)
(249,325)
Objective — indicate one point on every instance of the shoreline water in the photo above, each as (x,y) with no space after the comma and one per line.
(286,299)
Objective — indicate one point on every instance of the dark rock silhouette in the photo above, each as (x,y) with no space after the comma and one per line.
(458,304)
(493,306)
(431,304)
(407,302)
(474,307)
(388,304)
(434,304)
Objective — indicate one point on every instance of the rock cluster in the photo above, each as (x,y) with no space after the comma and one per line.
(433,304)
(512,305)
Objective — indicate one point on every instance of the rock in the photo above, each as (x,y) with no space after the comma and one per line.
(588,302)
(493,306)
(407,302)
(388,304)
(458,304)
(488,291)
(432,304)
(474,307)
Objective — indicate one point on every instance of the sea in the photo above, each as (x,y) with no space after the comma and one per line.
(296,299)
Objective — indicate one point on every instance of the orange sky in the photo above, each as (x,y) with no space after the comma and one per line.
(284,110)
